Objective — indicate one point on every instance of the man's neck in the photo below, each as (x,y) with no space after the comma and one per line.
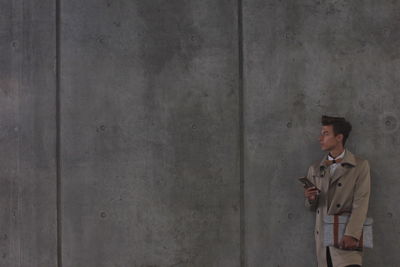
(336,152)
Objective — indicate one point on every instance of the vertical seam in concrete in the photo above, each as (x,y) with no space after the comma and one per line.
(58,133)
(241,134)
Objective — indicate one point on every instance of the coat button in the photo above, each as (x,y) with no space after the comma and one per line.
(317,232)
(338,205)
(318,211)
(339,184)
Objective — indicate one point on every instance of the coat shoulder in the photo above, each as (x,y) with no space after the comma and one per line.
(361,161)
(314,167)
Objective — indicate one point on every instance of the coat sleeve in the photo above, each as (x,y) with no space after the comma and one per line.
(311,205)
(360,202)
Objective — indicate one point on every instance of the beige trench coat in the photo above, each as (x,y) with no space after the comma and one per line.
(347,190)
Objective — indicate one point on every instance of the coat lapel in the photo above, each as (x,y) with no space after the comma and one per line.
(348,162)
(339,172)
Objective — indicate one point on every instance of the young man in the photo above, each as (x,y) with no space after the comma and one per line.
(343,186)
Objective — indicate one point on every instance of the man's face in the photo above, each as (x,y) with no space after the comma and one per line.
(327,138)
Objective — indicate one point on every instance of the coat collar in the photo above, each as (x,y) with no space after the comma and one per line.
(349,160)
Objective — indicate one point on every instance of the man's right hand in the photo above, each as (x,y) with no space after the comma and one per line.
(311,193)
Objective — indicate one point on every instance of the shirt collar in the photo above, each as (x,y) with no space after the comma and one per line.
(338,157)
(348,158)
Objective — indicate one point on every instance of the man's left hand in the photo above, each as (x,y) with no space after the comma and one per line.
(348,242)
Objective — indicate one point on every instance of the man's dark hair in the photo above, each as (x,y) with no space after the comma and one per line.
(340,126)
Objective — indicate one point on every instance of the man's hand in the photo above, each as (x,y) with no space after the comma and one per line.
(348,242)
(311,193)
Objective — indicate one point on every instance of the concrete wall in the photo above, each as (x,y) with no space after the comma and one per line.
(149,133)
(304,59)
(28,221)
(150,128)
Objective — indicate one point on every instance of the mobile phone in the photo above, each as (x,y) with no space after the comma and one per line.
(307,183)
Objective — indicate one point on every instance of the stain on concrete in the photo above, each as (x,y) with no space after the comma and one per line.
(389,123)
(14,44)
(169,31)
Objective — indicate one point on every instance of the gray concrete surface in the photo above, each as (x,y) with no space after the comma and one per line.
(150,155)
(149,133)
(304,59)
(27,135)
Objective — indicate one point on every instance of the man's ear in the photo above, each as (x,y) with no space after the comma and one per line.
(339,137)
